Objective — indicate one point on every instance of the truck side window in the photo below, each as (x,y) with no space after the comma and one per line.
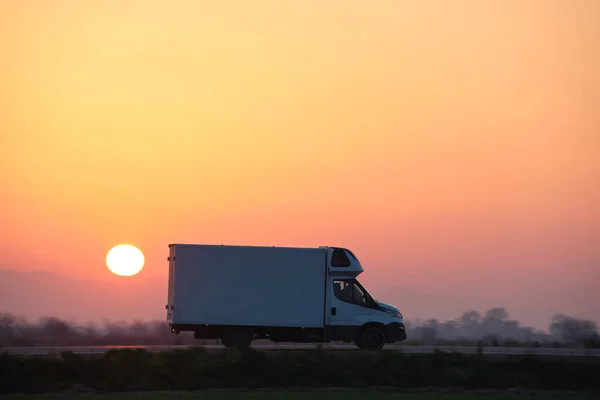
(339,258)
(343,291)
(351,254)
(348,292)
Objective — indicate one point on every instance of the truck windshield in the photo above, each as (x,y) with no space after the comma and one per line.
(363,292)
(359,295)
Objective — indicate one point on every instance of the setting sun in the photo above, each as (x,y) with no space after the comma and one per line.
(125,260)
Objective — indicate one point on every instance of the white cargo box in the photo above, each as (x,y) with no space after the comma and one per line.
(246,285)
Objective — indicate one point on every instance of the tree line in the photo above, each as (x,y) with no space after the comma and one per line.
(492,328)
(496,328)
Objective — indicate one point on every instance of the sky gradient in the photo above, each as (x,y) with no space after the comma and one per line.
(454,146)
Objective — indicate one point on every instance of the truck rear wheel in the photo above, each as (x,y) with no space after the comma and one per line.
(373,338)
(237,337)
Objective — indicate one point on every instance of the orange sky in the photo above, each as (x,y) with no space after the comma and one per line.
(452,145)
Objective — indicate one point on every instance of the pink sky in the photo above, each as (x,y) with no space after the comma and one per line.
(453,146)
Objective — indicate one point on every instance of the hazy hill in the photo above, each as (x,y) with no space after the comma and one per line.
(38,294)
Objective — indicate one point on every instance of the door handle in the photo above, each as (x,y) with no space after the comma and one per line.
(333,310)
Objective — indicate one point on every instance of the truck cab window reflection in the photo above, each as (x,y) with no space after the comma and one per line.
(359,296)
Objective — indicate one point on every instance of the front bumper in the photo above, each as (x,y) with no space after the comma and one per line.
(395,332)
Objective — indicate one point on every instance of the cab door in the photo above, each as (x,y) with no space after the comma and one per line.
(347,303)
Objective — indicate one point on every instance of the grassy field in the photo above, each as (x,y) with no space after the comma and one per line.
(120,371)
(325,395)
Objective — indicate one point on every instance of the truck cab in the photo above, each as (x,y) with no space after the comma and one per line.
(352,314)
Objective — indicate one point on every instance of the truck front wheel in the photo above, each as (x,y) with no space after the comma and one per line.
(373,338)
(237,337)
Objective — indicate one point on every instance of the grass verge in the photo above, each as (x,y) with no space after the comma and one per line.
(293,396)
(195,369)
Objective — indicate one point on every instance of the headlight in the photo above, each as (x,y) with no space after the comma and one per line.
(394,313)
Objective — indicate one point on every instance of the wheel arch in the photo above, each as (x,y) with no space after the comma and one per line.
(373,324)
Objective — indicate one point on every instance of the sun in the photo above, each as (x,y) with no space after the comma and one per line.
(125,260)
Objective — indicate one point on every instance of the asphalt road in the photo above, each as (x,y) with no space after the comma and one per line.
(276,347)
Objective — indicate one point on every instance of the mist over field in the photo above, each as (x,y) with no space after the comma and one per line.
(493,328)
(78,312)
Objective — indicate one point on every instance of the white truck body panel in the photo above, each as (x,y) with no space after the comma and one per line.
(224,285)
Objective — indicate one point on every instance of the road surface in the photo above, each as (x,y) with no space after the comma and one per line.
(274,347)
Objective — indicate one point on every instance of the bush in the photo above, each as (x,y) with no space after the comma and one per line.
(592,342)
(194,369)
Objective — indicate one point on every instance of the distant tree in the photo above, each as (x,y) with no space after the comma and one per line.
(470,324)
(493,321)
(54,331)
(429,331)
(139,329)
(497,314)
(91,332)
(54,327)
(573,330)
(7,323)
(449,330)
(491,340)
(592,342)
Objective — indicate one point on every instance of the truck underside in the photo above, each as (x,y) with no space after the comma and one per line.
(371,336)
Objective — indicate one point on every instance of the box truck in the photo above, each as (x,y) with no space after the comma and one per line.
(243,293)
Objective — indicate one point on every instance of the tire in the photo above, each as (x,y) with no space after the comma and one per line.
(373,339)
(240,338)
